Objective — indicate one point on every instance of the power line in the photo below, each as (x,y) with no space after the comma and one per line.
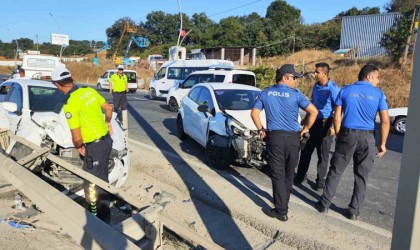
(235,8)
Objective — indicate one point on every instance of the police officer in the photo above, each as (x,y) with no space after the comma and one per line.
(118,87)
(90,134)
(281,103)
(324,93)
(358,104)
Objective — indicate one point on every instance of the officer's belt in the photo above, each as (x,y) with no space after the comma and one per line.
(121,92)
(357,130)
(283,132)
(98,140)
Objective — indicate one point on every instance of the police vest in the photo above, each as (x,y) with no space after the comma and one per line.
(119,82)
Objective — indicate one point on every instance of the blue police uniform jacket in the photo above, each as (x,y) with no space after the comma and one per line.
(360,102)
(281,104)
(323,97)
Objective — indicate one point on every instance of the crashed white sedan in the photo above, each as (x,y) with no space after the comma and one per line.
(218,116)
(32,109)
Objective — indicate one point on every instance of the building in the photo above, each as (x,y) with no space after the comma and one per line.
(238,55)
(361,35)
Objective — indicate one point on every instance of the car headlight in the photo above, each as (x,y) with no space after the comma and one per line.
(234,127)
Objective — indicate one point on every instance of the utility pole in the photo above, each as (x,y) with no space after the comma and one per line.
(409,37)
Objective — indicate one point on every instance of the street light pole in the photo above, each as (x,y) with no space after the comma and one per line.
(180,29)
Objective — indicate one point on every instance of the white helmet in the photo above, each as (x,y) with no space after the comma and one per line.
(120,67)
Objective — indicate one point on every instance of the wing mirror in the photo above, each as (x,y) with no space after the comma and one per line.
(9,106)
(203,108)
(181,85)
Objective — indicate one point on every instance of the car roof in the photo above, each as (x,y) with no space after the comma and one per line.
(31,82)
(223,71)
(125,70)
(217,86)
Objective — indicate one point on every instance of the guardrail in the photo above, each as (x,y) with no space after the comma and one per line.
(143,230)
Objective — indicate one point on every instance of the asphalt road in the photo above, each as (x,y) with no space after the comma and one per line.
(151,122)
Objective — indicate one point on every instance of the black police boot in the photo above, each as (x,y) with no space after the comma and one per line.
(353,216)
(273,214)
(321,207)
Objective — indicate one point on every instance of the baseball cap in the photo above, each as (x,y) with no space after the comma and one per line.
(289,68)
(59,73)
(120,67)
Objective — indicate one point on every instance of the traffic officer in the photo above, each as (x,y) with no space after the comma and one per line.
(357,104)
(281,103)
(324,93)
(90,134)
(118,87)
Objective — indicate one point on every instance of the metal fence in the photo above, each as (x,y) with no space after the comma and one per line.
(362,34)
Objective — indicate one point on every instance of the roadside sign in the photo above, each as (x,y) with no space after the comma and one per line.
(59,39)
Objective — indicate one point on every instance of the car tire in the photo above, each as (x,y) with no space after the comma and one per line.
(399,125)
(98,87)
(132,91)
(152,94)
(180,128)
(218,157)
(173,104)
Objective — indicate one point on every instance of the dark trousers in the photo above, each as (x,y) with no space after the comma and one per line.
(283,152)
(120,100)
(320,140)
(96,162)
(356,144)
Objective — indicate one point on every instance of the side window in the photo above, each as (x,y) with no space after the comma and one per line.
(4,89)
(205,98)
(244,79)
(175,73)
(193,95)
(15,96)
(191,81)
(187,72)
(161,74)
(206,78)
(105,75)
(219,78)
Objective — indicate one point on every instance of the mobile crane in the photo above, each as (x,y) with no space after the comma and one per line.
(129,29)
(141,42)
(95,59)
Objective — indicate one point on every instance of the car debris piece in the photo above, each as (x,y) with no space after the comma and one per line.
(148,187)
(19,225)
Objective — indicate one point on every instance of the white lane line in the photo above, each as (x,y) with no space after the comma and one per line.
(333,214)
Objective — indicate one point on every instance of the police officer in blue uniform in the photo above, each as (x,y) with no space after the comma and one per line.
(321,133)
(354,123)
(281,103)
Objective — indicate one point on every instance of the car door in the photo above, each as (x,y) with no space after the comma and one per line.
(15,95)
(103,80)
(190,105)
(202,119)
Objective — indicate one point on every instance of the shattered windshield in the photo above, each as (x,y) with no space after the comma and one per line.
(236,99)
(44,99)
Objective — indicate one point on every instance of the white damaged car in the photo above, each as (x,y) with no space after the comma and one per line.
(32,109)
(218,117)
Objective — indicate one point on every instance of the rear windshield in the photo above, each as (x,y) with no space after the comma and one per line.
(236,99)
(44,99)
(132,76)
(244,79)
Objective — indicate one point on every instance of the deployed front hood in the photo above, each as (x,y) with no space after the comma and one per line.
(244,117)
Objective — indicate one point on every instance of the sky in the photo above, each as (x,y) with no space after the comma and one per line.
(89,19)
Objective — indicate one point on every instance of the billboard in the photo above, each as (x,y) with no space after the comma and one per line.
(59,39)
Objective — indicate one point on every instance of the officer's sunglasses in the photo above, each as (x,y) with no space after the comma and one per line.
(294,77)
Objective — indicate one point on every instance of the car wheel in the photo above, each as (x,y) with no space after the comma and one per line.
(173,105)
(152,94)
(180,128)
(399,125)
(218,157)
(98,86)
(133,91)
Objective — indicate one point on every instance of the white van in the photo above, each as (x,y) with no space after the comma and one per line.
(221,76)
(173,72)
(103,80)
(39,66)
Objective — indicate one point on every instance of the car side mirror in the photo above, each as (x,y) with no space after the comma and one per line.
(203,108)
(9,106)
(181,85)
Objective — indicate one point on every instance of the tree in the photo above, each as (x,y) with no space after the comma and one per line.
(400,6)
(230,32)
(203,30)
(114,33)
(394,40)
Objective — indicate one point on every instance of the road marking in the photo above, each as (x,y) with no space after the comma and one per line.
(294,199)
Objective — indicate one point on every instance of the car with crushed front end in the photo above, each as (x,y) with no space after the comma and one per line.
(32,109)
(218,117)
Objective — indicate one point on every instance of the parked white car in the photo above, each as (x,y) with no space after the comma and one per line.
(103,80)
(218,117)
(398,118)
(32,109)
(224,76)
